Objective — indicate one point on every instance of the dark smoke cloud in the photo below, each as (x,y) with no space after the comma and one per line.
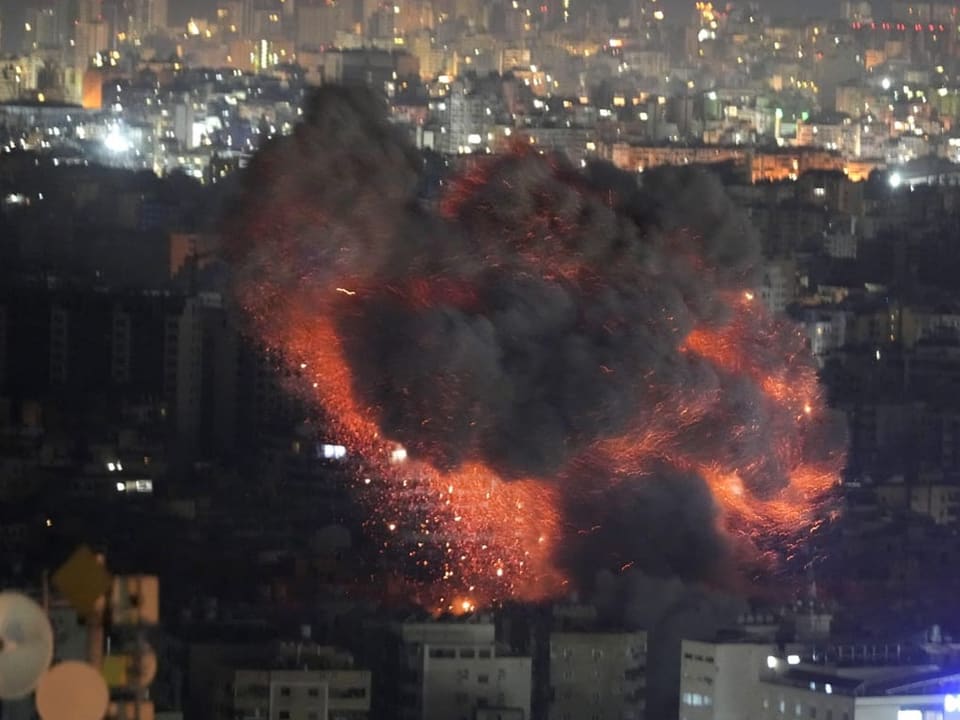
(665,523)
(537,311)
(529,364)
(671,611)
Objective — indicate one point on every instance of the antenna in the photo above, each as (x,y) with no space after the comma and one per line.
(26,645)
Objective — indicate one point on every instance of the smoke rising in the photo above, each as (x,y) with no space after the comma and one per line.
(572,328)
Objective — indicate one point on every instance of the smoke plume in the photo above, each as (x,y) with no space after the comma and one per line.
(573,362)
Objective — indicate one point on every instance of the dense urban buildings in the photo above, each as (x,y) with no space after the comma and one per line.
(140,416)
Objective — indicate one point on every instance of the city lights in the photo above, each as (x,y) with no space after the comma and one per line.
(475,358)
(116,141)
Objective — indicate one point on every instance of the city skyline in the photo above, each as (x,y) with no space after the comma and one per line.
(482,360)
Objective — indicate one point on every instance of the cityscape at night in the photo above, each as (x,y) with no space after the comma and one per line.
(479,360)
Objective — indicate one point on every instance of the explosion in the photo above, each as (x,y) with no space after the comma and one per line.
(541,374)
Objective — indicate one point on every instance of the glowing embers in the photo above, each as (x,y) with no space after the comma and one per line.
(513,376)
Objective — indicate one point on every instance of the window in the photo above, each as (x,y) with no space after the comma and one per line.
(284,715)
(463,674)
(468,653)
(813,712)
(284,692)
(460,698)
(443,653)
(483,653)
(313,692)
(483,679)
(783,706)
(798,709)
(765,703)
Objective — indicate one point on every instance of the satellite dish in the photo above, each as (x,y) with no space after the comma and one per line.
(26,645)
(72,690)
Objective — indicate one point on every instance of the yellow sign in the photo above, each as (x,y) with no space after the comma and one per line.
(82,580)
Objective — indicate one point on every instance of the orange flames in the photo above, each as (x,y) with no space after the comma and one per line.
(482,539)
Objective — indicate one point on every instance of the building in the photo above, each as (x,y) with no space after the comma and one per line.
(41,29)
(466,122)
(450,671)
(777,285)
(859,693)
(597,675)
(721,680)
(145,17)
(637,158)
(304,681)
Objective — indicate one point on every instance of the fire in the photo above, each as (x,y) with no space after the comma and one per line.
(475,518)
(730,397)
(489,539)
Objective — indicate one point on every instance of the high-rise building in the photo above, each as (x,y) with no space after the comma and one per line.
(90,38)
(467,121)
(597,675)
(450,670)
(183,121)
(413,16)
(721,680)
(317,24)
(41,29)
(144,17)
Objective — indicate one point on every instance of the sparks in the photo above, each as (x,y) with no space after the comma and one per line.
(730,397)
